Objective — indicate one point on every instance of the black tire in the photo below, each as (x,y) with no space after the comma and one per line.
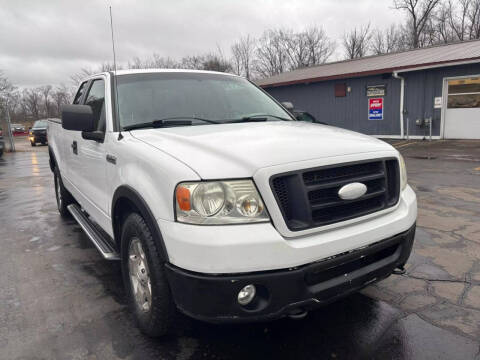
(63,197)
(158,319)
(44,143)
(32,143)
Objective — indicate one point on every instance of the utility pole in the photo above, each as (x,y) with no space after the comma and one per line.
(9,128)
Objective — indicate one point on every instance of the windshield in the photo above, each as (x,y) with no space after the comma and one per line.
(220,98)
(40,124)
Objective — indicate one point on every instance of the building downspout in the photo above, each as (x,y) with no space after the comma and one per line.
(402,98)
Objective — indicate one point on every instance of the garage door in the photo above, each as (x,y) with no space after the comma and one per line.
(462,116)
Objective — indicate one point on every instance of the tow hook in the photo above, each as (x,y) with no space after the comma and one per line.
(297,314)
(399,270)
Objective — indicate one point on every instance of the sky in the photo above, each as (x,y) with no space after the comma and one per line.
(45,42)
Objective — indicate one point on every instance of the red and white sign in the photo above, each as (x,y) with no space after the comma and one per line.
(375,109)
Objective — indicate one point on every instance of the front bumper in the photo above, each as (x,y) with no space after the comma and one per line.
(38,138)
(247,248)
(213,298)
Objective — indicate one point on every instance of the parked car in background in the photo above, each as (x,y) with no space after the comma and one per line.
(18,129)
(38,133)
(301,115)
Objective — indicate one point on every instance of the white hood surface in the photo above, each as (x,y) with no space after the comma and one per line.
(239,150)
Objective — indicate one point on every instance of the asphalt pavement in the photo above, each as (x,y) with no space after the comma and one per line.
(60,300)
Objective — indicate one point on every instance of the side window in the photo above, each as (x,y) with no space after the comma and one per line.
(96,100)
(80,92)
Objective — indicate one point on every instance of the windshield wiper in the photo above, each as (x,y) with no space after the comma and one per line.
(256,118)
(167,122)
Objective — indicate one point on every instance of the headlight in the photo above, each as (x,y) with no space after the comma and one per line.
(219,202)
(403,172)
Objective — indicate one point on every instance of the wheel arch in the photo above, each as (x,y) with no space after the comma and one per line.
(126,200)
(52,161)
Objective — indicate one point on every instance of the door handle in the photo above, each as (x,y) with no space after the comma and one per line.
(111,159)
(74,147)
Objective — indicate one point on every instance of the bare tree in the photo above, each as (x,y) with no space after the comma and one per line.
(271,54)
(192,62)
(216,62)
(420,12)
(308,47)
(429,34)
(14,100)
(45,91)
(464,19)
(474,20)
(154,62)
(236,61)
(242,56)
(31,99)
(319,47)
(86,72)
(458,19)
(356,43)
(61,96)
(386,41)
(77,78)
(5,85)
(443,30)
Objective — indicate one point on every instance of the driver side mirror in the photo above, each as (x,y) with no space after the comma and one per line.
(77,118)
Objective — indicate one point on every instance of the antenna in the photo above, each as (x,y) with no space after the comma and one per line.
(120,136)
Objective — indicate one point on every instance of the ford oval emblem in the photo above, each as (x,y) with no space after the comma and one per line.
(352,191)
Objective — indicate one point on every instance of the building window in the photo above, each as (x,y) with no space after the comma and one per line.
(340,90)
(464,93)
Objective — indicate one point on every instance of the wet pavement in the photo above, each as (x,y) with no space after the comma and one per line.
(60,300)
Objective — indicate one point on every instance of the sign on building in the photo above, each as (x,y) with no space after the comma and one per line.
(375,109)
(376,90)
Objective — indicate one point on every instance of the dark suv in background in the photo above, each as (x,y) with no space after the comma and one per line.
(38,133)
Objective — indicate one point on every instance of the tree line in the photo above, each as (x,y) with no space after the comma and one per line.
(425,23)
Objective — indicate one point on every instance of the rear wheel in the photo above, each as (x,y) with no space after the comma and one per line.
(144,277)
(62,195)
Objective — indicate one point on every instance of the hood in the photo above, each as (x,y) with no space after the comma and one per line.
(239,150)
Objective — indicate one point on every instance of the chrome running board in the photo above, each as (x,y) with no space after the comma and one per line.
(98,239)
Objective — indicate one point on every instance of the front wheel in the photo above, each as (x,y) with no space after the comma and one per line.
(33,143)
(144,277)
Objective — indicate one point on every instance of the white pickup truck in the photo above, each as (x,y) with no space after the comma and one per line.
(219,203)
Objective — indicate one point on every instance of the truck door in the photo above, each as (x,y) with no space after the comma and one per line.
(89,173)
(69,141)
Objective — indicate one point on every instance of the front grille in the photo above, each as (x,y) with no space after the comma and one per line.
(309,198)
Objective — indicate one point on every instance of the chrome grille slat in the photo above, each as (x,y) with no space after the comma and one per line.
(335,203)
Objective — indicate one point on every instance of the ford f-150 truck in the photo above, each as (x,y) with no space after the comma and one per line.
(219,204)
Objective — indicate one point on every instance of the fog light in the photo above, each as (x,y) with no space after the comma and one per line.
(246,295)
